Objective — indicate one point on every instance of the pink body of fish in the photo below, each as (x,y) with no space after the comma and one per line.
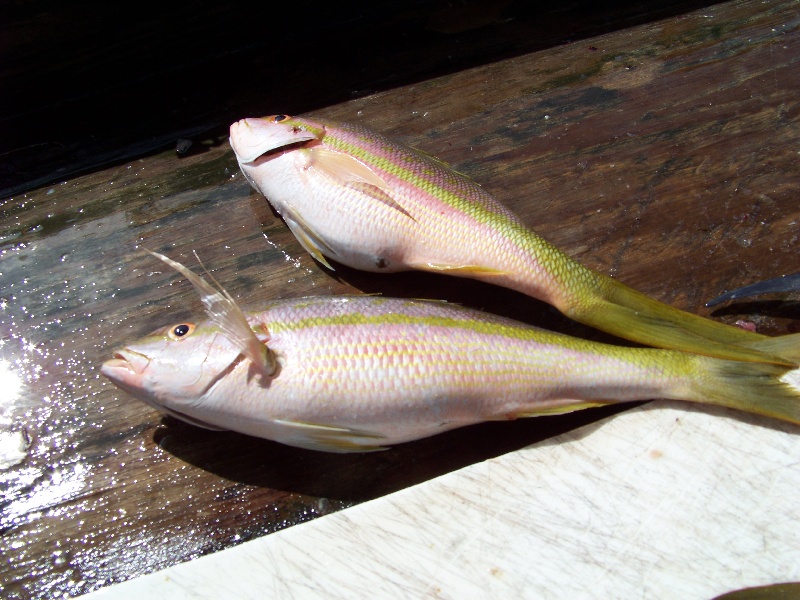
(358,373)
(354,196)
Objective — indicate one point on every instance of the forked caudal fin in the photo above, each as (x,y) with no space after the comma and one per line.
(785,346)
(632,315)
(223,311)
(760,388)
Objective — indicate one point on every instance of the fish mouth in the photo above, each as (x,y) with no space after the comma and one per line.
(253,142)
(125,361)
(259,159)
(126,370)
(267,155)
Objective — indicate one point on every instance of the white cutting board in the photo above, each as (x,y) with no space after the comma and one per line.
(663,501)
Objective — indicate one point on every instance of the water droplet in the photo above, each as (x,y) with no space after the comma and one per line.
(60,558)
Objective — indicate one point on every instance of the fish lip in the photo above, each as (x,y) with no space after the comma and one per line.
(252,148)
(125,360)
(125,370)
(273,152)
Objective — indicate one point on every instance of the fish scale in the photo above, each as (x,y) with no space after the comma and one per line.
(358,198)
(360,373)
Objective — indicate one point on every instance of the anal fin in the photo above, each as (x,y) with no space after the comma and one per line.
(327,438)
(552,410)
(465,270)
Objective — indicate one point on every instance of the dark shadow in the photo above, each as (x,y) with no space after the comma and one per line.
(458,290)
(776,309)
(91,87)
(358,477)
(473,294)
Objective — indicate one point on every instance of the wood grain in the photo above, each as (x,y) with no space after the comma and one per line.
(659,502)
(664,154)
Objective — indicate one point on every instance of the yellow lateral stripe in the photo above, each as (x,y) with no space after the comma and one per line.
(476,211)
(485,328)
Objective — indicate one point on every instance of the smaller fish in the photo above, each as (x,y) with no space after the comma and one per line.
(776,285)
(361,373)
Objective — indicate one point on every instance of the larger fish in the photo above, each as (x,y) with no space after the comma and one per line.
(352,195)
(359,373)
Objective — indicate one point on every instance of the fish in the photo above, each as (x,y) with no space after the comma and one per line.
(353,196)
(776,285)
(363,373)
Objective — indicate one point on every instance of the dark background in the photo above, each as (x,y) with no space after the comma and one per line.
(87,84)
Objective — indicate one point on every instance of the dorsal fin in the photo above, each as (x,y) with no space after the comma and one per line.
(223,311)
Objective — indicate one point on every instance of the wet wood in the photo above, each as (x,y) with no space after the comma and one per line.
(664,154)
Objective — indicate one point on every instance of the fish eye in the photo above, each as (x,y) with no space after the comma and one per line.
(181,331)
(279,118)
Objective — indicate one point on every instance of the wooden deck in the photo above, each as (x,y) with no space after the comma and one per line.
(664,154)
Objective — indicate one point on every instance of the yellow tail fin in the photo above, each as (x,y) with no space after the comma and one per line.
(759,388)
(627,313)
(785,346)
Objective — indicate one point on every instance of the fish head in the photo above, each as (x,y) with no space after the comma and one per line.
(252,138)
(175,368)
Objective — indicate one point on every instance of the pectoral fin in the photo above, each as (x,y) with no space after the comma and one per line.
(343,168)
(327,438)
(349,171)
(381,196)
(222,309)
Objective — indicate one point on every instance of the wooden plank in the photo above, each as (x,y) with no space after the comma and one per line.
(664,154)
(658,502)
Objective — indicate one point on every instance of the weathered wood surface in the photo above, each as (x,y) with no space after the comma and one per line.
(662,501)
(665,155)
